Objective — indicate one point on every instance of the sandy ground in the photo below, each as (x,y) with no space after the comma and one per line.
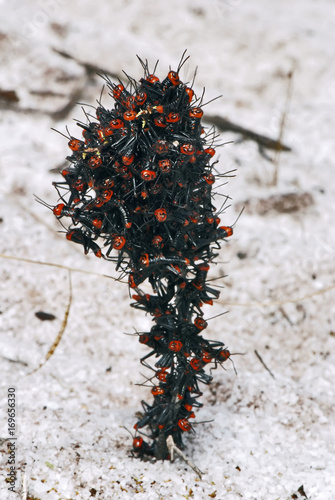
(270,435)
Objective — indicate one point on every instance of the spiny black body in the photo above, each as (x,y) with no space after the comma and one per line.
(140,182)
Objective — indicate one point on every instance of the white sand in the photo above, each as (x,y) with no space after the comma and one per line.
(269,436)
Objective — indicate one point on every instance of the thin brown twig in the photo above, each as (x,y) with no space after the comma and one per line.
(261,360)
(61,331)
(225,125)
(173,449)
(282,126)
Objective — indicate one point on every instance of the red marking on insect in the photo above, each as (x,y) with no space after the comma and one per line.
(65,172)
(97,223)
(138,442)
(160,214)
(157,391)
(159,109)
(71,235)
(107,194)
(79,185)
(94,162)
(130,102)
(200,323)
(210,178)
(108,131)
(145,260)
(75,144)
(173,77)
(164,166)
(209,302)
(227,230)
(130,116)
(148,175)
(194,217)
(152,79)
(187,149)
(99,201)
(177,268)
(223,355)
(206,357)
(195,113)
(117,91)
(162,375)
(116,124)
(210,151)
(128,160)
(108,183)
(173,117)
(119,242)
(175,346)
(157,241)
(196,364)
(161,147)
(184,424)
(132,282)
(144,338)
(101,135)
(159,121)
(57,210)
(190,93)
(140,98)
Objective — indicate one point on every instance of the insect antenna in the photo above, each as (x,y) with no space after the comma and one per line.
(61,133)
(182,61)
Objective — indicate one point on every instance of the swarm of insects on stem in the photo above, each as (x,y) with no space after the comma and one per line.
(139,182)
